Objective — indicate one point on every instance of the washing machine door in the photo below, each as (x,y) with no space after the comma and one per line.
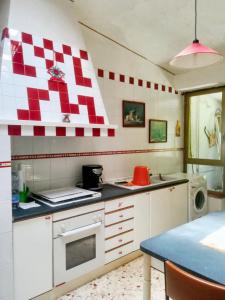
(199,200)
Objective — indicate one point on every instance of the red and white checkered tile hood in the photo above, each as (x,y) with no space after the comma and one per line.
(48,88)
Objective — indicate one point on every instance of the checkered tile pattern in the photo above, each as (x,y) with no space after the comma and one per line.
(29,92)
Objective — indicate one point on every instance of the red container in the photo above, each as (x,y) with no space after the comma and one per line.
(141,175)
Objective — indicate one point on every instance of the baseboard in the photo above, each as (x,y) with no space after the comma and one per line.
(61,290)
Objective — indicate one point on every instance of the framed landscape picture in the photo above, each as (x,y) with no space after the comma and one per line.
(157,131)
(133,114)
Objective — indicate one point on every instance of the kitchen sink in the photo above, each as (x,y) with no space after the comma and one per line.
(155,180)
(162,178)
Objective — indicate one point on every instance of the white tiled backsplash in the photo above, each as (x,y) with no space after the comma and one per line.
(59,172)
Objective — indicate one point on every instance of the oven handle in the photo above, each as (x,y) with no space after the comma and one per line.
(80,230)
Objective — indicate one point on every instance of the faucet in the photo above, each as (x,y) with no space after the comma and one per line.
(160,177)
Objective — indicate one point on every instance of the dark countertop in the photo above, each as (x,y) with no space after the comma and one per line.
(182,246)
(108,192)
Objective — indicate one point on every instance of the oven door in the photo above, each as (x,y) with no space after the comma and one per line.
(78,251)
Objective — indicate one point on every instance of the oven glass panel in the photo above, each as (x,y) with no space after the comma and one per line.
(80,251)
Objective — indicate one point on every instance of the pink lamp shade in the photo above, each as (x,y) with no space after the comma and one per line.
(196,55)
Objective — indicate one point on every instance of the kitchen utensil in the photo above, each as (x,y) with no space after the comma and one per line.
(141,176)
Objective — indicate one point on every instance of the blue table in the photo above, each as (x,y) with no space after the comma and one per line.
(183,246)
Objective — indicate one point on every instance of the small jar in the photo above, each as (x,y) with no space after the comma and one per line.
(15,199)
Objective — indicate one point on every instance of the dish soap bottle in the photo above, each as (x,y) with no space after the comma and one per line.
(15,189)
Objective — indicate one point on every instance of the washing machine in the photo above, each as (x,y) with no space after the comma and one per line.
(197,195)
(198,200)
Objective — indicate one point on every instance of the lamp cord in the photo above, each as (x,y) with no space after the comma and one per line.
(196,40)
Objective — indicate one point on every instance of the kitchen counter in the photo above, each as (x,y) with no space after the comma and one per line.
(108,192)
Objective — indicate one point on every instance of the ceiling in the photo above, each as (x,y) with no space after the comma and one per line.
(156,29)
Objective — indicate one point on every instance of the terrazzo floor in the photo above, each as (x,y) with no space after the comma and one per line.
(124,283)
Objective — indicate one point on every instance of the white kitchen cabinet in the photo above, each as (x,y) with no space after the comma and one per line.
(127,224)
(119,216)
(119,252)
(159,218)
(32,249)
(141,218)
(119,228)
(179,205)
(168,208)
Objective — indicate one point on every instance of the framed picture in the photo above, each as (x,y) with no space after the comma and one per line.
(133,114)
(157,131)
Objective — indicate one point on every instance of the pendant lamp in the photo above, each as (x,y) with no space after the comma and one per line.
(196,55)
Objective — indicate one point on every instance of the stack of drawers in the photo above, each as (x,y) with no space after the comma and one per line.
(119,228)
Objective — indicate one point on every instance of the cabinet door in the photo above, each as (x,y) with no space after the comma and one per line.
(179,205)
(141,219)
(32,247)
(160,213)
(168,208)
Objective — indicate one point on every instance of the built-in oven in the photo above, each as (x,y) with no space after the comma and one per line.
(78,245)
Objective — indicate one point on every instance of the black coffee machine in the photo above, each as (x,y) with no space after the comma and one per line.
(91,175)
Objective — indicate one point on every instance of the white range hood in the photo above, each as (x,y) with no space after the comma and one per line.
(48,85)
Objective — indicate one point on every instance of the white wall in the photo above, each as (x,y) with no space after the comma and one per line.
(6,272)
(4,13)
(216,204)
(113,57)
(53,19)
(201,78)
(51,173)
(6,275)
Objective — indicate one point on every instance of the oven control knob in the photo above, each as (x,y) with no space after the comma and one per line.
(97,218)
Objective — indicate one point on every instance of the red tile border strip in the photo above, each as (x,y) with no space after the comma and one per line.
(111,75)
(5,164)
(97,153)
(122,78)
(100,73)
(30,130)
(14,130)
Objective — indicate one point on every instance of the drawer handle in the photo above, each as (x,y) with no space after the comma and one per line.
(121,252)
(121,216)
(120,204)
(120,228)
(120,240)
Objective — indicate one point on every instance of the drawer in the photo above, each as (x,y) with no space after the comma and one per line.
(119,228)
(119,240)
(119,252)
(118,203)
(119,216)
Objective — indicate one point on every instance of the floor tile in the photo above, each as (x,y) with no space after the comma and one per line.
(124,283)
